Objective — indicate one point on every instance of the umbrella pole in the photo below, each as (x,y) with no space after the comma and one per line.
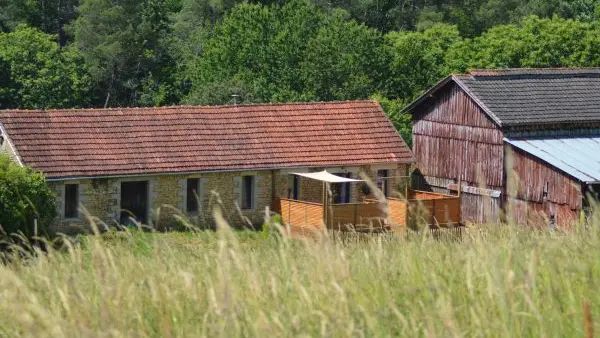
(324,205)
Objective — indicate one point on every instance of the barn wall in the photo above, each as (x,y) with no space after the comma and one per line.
(453,139)
(527,201)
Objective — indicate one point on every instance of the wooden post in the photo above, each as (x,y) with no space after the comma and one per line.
(289,212)
(355,214)
(433,212)
(324,203)
(306,215)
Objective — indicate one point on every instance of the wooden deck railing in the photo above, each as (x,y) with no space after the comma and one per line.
(300,213)
(431,209)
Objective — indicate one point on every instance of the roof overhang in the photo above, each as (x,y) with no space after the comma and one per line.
(451,78)
(11,146)
(578,157)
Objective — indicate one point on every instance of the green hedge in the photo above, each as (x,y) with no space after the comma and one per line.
(24,198)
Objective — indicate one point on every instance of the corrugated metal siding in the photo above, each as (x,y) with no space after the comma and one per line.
(528,176)
(577,156)
(454,139)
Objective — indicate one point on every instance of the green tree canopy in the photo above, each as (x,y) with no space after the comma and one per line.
(125,45)
(286,53)
(418,59)
(35,73)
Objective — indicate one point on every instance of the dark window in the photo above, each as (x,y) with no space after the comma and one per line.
(382,181)
(71,200)
(293,187)
(247,192)
(193,194)
(341,191)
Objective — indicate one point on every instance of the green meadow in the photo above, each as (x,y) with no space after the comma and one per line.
(497,281)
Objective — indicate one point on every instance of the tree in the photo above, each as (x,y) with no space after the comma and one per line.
(294,52)
(418,60)
(24,197)
(49,16)
(393,109)
(125,44)
(534,42)
(344,60)
(35,73)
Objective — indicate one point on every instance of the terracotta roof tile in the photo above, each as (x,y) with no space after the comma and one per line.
(131,141)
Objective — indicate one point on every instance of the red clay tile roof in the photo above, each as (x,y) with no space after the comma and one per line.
(131,141)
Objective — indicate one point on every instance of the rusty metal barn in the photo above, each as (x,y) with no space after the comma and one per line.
(521,143)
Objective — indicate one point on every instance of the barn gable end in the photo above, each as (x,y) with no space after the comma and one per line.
(455,140)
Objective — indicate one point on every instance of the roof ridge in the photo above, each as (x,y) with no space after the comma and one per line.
(530,71)
(190,106)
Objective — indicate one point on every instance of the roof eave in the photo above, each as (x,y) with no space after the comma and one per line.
(11,145)
(409,109)
(412,158)
(480,103)
(411,106)
(171,173)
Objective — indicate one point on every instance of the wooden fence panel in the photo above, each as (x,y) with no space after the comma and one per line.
(397,212)
(343,214)
(301,214)
(434,211)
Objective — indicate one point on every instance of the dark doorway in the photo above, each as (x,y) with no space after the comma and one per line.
(134,202)
(341,191)
(293,186)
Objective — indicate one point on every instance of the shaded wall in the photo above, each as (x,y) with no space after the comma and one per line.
(537,191)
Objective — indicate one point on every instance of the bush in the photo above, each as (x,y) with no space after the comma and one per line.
(24,198)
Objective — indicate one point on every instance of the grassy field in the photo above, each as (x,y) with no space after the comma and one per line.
(511,282)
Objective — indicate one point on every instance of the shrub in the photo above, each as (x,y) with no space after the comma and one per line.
(24,198)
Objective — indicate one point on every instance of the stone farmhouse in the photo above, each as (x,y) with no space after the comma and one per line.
(150,164)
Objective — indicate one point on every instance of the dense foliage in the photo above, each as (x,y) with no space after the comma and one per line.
(24,197)
(94,53)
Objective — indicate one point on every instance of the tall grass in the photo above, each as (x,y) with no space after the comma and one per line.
(510,282)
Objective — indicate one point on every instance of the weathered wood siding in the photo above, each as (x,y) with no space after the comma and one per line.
(537,190)
(453,139)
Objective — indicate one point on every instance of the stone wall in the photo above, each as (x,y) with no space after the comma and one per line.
(100,198)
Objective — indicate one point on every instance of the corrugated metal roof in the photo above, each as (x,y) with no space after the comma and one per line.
(577,156)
